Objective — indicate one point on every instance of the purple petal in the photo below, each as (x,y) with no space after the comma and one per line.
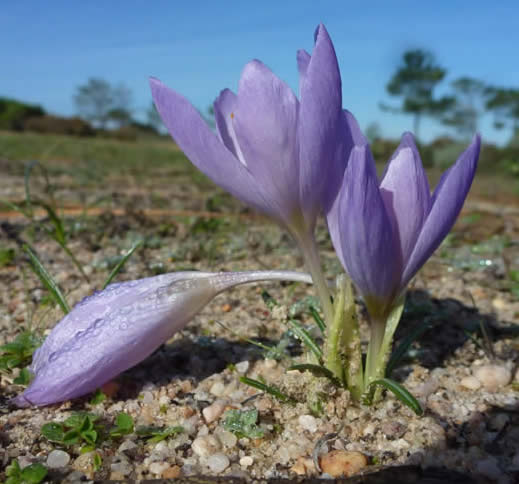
(369,249)
(224,108)
(203,147)
(320,122)
(405,191)
(117,328)
(447,201)
(265,124)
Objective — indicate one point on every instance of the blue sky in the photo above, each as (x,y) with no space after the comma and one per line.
(48,48)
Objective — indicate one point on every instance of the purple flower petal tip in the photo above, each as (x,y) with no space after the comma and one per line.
(115,329)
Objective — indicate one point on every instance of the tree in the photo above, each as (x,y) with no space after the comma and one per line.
(100,103)
(414,81)
(468,106)
(504,103)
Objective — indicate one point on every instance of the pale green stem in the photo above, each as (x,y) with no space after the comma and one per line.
(313,264)
(378,327)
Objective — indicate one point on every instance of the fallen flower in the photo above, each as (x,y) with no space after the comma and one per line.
(113,330)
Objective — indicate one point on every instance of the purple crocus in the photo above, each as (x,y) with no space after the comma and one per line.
(283,156)
(270,150)
(113,330)
(385,231)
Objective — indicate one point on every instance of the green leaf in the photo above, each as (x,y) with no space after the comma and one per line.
(317,318)
(270,302)
(13,469)
(271,390)
(305,338)
(121,263)
(242,423)
(34,473)
(98,462)
(89,436)
(98,397)
(401,393)
(71,437)
(53,432)
(316,370)
(24,378)
(124,422)
(158,434)
(47,280)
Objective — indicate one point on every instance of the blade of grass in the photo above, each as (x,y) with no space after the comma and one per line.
(401,393)
(316,370)
(47,280)
(317,318)
(121,263)
(271,390)
(306,339)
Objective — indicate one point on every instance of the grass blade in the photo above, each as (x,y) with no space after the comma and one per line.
(305,338)
(401,393)
(121,263)
(317,318)
(47,280)
(271,390)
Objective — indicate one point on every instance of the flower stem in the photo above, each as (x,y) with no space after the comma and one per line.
(334,333)
(313,264)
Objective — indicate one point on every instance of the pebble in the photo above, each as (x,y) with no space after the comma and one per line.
(147,397)
(227,439)
(127,445)
(173,472)
(342,463)
(489,468)
(217,389)
(85,464)
(205,445)
(246,461)
(493,377)
(308,422)
(214,411)
(158,468)
(242,367)
(470,383)
(218,463)
(57,458)
(123,467)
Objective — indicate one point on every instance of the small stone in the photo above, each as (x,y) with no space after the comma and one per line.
(205,445)
(303,466)
(493,377)
(214,411)
(489,468)
(308,422)
(147,397)
(158,468)
(218,463)
(226,307)
(172,472)
(124,468)
(470,383)
(227,439)
(246,461)
(57,459)
(342,463)
(516,376)
(85,464)
(217,389)
(127,445)
(242,367)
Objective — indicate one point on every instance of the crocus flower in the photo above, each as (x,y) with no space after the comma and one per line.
(282,156)
(387,230)
(271,150)
(113,330)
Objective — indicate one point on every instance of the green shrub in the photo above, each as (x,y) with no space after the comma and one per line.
(49,124)
(13,113)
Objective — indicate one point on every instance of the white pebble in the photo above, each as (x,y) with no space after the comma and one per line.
(242,367)
(158,467)
(470,383)
(217,389)
(493,377)
(228,439)
(147,397)
(218,462)
(205,445)
(57,458)
(308,422)
(127,445)
(246,461)
(214,411)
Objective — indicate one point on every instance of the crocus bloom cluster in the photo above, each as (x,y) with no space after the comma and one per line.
(113,330)
(385,231)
